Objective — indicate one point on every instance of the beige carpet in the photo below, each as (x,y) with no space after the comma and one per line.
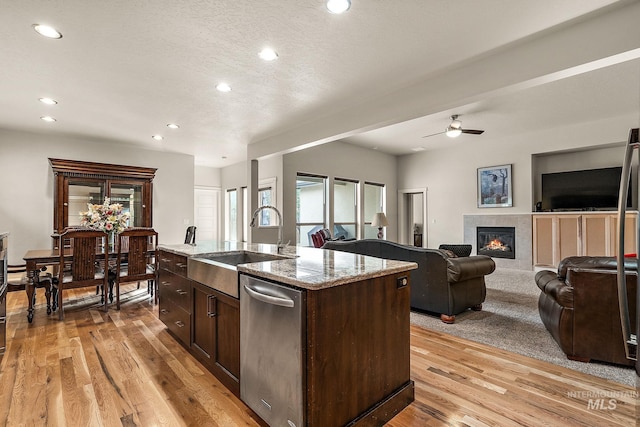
(509,320)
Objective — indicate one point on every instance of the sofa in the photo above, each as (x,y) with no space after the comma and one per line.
(443,284)
(578,305)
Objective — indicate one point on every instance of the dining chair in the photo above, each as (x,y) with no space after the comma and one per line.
(190,235)
(139,262)
(87,265)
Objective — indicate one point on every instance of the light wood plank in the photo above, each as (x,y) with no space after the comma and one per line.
(124,368)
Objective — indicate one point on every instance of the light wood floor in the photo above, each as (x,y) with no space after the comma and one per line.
(123,368)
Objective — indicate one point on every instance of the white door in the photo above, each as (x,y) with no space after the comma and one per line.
(207,213)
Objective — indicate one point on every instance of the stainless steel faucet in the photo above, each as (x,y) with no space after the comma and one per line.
(279,244)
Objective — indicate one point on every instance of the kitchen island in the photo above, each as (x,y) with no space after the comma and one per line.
(352,360)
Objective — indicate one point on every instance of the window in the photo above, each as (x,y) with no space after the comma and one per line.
(267,196)
(245,214)
(345,209)
(231,218)
(310,207)
(373,202)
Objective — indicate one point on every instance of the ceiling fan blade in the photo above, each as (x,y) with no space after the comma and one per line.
(434,134)
(473,131)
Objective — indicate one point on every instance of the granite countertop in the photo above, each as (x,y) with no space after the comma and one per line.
(307,268)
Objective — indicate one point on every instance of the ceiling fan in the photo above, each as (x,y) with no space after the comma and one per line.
(455,129)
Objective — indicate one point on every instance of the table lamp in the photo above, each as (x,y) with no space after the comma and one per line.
(379,220)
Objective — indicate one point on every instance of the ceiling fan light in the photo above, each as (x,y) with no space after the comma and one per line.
(453,132)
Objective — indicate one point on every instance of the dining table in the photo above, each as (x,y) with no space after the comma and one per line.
(37,259)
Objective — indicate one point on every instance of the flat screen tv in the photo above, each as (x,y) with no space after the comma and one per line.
(593,189)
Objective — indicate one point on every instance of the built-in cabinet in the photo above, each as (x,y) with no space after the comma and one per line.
(77,183)
(559,235)
(205,321)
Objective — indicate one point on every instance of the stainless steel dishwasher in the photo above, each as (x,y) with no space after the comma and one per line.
(271,366)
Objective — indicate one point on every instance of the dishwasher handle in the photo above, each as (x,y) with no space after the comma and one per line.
(254,292)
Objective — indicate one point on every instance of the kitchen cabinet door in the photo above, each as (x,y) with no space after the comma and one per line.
(596,235)
(227,334)
(630,230)
(544,239)
(203,323)
(555,237)
(216,334)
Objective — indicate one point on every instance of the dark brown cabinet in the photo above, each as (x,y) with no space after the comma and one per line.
(216,334)
(205,321)
(173,309)
(77,183)
(358,352)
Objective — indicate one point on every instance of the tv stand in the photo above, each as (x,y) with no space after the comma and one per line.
(557,235)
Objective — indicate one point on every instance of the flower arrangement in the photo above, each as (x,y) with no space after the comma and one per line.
(106,217)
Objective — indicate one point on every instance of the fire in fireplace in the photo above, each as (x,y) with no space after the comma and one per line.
(497,242)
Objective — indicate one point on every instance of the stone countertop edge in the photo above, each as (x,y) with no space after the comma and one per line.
(315,280)
(308,268)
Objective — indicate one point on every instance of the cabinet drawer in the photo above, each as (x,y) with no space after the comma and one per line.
(177,320)
(174,263)
(175,288)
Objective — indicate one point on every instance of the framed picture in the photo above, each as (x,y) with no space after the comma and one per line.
(494,187)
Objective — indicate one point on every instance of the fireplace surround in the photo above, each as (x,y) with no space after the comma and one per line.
(524,233)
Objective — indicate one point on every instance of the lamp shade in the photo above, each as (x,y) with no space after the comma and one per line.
(379,220)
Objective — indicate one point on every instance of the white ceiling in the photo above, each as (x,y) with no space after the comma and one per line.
(606,92)
(124,69)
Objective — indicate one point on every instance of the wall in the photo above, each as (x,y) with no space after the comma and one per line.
(339,160)
(450,175)
(205,176)
(26,192)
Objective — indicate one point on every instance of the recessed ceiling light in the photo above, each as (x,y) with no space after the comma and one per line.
(158,137)
(48,119)
(173,126)
(268,54)
(223,87)
(48,101)
(418,149)
(47,31)
(338,6)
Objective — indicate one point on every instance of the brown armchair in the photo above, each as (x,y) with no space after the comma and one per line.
(579,307)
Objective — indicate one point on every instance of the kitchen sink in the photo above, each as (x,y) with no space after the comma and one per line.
(241,257)
(219,270)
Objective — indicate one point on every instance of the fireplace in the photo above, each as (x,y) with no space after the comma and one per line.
(497,242)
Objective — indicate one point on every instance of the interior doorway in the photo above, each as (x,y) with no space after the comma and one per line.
(207,213)
(412,215)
